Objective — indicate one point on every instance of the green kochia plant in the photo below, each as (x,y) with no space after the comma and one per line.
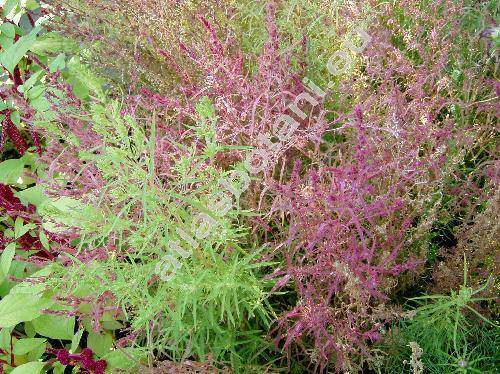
(453,335)
(217,302)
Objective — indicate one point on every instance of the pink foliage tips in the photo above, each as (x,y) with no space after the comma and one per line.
(247,104)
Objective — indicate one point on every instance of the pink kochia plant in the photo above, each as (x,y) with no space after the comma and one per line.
(352,217)
(343,243)
(247,105)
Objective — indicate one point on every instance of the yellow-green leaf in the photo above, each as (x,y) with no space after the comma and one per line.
(29,368)
(20,307)
(6,258)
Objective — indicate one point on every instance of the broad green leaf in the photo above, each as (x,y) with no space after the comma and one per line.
(43,272)
(20,307)
(11,170)
(15,117)
(12,55)
(40,104)
(29,330)
(26,86)
(54,327)
(33,195)
(5,339)
(66,211)
(18,226)
(84,76)
(6,41)
(24,346)
(26,287)
(32,5)
(6,258)
(53,42)
(58,63)
(29,368)
(126,358)
(111,325)
(35,92)
(79,89)
(99,343)
(8,29)
(58,368)
(9,7)
(36,353)
(20,229)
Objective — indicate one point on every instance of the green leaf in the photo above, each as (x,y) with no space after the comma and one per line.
(20,307)
(205,108)
(36,353)
(11,170)
(54,327)
(40,104)
(122,358)
(32,4)
(84,81)
(29,330)
(66,211)
(33,195)
(12,55)
(35,92)
(5,339)
(43,272)
(76,340)
(25,287)
(44,240)
(9,6)
(6,258)
(15,117)
(58,368)
(26,86)
(29,368)
(58,63)
(100,344)
(53,42)
(5,41)
(20,229)
(8,30)
(18,226)
(111,325)
(24,346)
